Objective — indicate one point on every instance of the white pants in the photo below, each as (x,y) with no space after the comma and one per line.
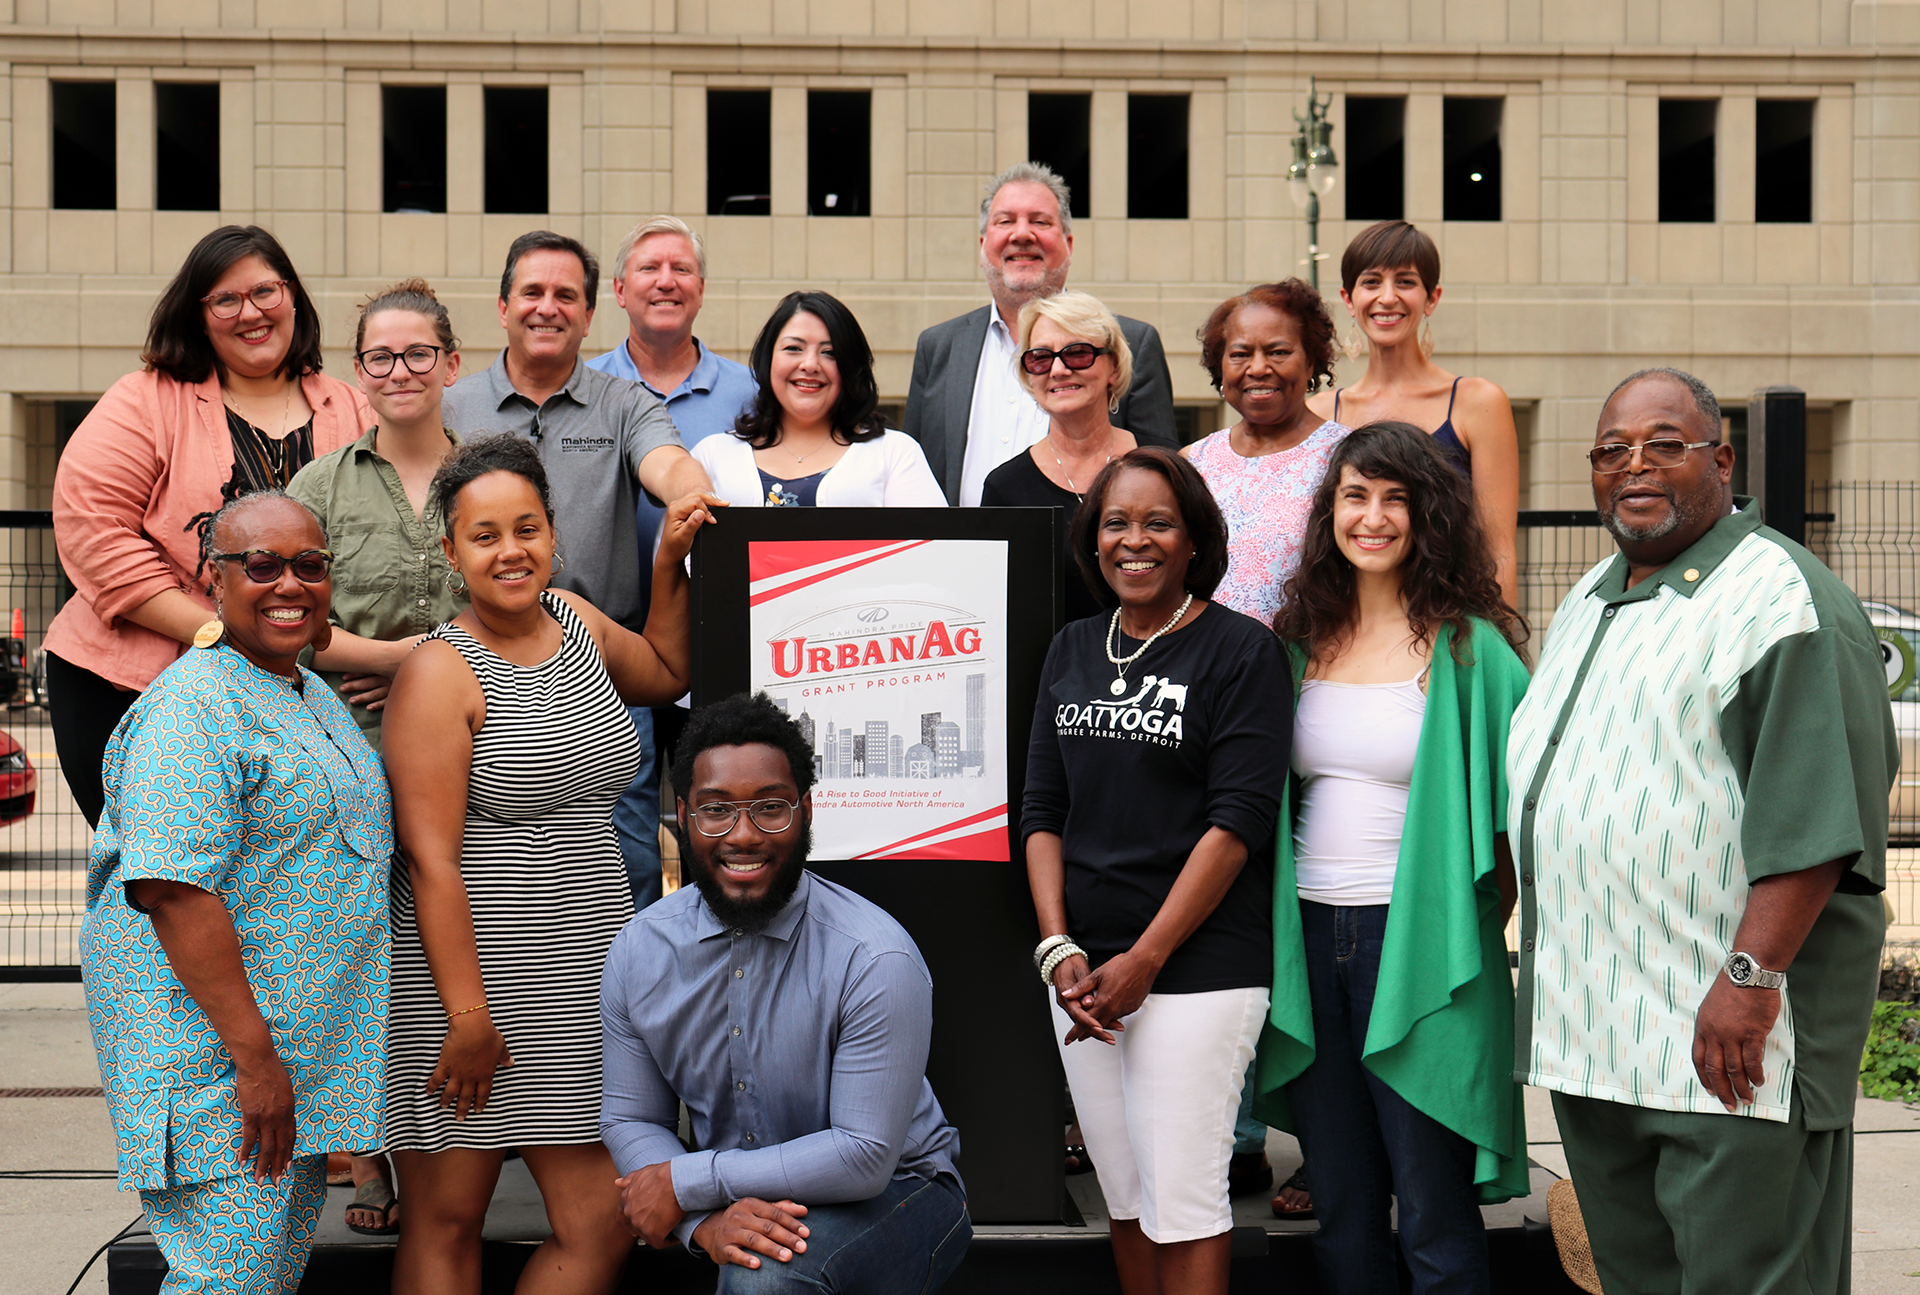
(1157,1107)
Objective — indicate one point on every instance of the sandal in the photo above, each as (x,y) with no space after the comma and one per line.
(1078,1161)
(374,1197)
(1297,1183)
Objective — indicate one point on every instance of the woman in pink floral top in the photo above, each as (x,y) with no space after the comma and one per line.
(1266,350)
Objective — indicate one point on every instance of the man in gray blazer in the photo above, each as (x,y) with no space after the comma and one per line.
(966,406)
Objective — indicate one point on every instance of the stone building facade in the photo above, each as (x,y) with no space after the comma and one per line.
(1578,280)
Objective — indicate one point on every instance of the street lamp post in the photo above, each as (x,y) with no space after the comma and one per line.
(1313,170)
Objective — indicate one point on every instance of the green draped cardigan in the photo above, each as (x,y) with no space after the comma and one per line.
(1441,1033)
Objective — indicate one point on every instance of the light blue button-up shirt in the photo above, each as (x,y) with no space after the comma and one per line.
(800,1052)
(707,402)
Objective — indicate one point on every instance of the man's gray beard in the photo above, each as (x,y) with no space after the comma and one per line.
(997,288)
(1678,515)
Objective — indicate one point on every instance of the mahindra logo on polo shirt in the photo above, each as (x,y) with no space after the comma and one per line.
(586,443)
(1152,714)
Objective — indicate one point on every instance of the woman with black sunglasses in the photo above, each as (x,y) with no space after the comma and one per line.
(230,400)
(1077,365)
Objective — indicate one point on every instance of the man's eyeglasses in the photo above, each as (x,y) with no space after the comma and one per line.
(1078,356)
(264,296)
(263,566)
(379,363)
(1654,454)
(717,817)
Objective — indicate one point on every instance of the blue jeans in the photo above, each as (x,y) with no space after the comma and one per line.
(904,1241)
(636,817)
(1366,1144)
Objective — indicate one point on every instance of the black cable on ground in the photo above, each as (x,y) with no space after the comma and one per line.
(58,1175)
(121,1235)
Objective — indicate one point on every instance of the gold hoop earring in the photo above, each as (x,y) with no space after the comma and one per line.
(456,584)
(559,562)
(1426,340)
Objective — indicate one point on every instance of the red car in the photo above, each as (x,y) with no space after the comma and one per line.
(19,781)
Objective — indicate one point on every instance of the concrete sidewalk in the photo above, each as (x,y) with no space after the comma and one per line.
(48,1229)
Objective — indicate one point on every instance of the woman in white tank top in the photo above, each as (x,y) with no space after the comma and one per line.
(1391,1045)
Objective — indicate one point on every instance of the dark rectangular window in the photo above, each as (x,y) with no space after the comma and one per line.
(1470,156)
(839,152)
(1686,159)
(1376,162)
(516,148)
(1783,161)
(1157,157)
(740,153)
(84,157)
(413,148)
(186,151)
(1059,135)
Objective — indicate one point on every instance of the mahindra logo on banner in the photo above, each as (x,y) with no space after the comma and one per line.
(793,658)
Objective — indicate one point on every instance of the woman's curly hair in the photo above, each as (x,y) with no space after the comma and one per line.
(1448,576)
(1290,297)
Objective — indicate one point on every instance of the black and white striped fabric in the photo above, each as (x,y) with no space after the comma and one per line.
(548,892)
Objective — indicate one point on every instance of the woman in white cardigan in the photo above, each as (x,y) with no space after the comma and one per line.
(811,438)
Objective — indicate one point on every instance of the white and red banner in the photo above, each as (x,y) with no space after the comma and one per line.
(891,655)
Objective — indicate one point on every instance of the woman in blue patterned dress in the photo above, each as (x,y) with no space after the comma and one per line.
(236,942)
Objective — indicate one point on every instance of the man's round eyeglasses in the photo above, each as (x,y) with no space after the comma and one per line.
(264,296)
(717,817)
(1653,454)
(1078,356)
(378,363)
(263,566)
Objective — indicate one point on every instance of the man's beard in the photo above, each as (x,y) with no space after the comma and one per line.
(751,915)
(1053,282)
(1679,513)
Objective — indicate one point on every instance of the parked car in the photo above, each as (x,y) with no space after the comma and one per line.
(19,781)
(1899,631)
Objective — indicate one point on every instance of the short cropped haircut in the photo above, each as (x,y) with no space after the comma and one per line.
(545,240)
(1030,173)
(1198,511)
(408,294)
(504,452)
(1290,297)
(1703,398)
(230,512)
(1390,245)
(659,225)
(742,720)
(1082,315)
(177,341)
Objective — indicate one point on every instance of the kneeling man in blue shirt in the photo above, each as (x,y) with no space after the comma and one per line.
(793,1019)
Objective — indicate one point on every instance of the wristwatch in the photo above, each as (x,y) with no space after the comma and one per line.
(1743,971)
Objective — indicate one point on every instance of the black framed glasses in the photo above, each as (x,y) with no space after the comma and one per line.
(263,566)
(1663,453)
(378,363)
(1080,355)
(717,817)
(264,296)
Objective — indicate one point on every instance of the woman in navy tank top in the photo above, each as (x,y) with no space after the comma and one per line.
(1390,283)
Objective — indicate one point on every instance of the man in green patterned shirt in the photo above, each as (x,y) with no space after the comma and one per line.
(1700,776)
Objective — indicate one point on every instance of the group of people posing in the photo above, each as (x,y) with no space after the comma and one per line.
(366,691)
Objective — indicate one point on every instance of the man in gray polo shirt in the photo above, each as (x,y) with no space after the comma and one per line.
(603,440)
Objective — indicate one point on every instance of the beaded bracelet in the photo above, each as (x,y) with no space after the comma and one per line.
(1059,955)
(477,1007)
(1045,946)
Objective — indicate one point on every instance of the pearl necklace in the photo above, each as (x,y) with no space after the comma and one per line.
(1121,663)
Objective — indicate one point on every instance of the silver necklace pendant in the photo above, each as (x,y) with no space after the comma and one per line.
(1118,686)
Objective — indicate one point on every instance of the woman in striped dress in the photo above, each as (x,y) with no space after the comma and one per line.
(507,742)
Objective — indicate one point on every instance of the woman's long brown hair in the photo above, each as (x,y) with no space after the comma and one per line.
(1448,576)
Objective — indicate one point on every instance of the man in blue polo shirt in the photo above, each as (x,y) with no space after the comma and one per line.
(660,279)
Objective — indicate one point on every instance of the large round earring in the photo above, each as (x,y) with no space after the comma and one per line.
(209,634)
(1426,340)
(559,562)
(456,584)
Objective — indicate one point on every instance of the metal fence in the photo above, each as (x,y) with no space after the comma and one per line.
(43,838)
(1867,532)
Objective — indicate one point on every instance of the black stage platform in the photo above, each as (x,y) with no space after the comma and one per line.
(1269,1255)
